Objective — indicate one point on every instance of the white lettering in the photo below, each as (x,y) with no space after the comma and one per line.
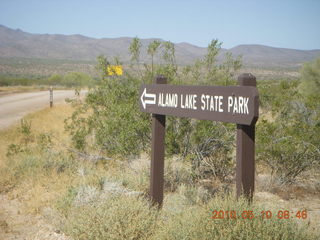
(170,100)
(203,106)
(181,100)
(235,106)
(230,103)
(194,101)
(211,104)
(160,99)
(189,101)
(220,103)
(246,109)
(241,104)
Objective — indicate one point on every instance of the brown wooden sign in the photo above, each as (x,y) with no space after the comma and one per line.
(234,104)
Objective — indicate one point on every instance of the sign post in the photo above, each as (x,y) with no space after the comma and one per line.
(245,168)
(157,152)
(51,96)
(233,104)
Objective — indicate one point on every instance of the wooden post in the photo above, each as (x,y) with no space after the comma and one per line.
(157,153)
(51,96)
(246,149)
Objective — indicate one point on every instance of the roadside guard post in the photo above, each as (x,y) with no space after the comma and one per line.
(233,104)
(51,96)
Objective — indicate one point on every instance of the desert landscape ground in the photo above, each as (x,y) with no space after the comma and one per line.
(81,169)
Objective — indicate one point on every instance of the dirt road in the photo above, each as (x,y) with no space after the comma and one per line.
(13,107)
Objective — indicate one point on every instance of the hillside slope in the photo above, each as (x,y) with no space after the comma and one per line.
(16,43)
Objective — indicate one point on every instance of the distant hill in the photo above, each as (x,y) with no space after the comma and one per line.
(259,55)
(16,43)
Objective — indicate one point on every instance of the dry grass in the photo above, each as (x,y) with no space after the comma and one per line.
(43,188)
(41,177)
(47,120)
(44,184)
(42,191)
(51,120)
(4,90)
(7,137)
(18,89)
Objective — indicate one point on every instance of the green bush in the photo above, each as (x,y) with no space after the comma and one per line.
(21,81)
(288,149)
(119,127)
(289,143)
(77,79)
(310,75)
(110,115)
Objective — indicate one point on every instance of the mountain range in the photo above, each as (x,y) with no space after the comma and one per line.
(17,43)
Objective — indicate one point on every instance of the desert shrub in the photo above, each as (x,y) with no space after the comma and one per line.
(196,223)
(55,79)
(26,138)
(31,164)
(117,217)
(193,194)
(310,76)
(110,115)
(287,156)
(285,151)
(44,140)
(32,156)
(208,146)
(134,175)
(21,81)
(124,217)
(274,94)
(176,172)
(114,119)
(72,79)
(64,203)
(19,167)
(289,143)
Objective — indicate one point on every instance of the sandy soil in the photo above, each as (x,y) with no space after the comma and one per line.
(15,223)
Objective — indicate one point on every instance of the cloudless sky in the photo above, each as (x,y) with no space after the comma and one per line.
(278,23)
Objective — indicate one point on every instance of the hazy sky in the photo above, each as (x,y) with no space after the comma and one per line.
(278,23)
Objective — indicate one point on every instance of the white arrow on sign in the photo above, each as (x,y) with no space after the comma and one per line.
(147,101)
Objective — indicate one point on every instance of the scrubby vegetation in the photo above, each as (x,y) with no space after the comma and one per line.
(287,142)
(98,179)
(96,202)
(71,79)
(31,68)
(121,217)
